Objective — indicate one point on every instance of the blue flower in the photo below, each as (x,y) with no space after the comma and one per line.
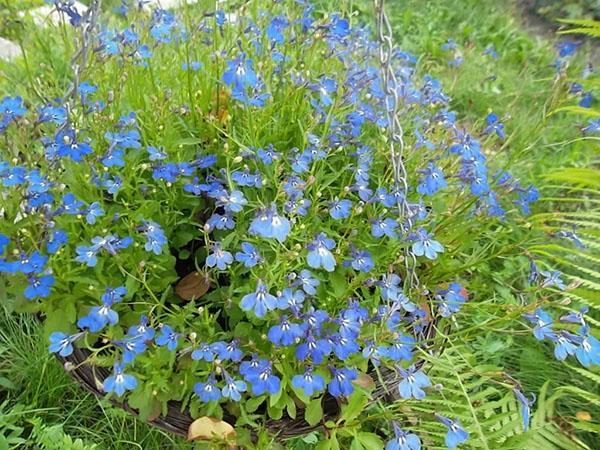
(268,155)
(552,279)
(285,333)
(543,324)
(456,433)
(62,343)
(413,382)
(340,209)
(343,346)
(155,237)
(249,255)
(425,245)
(263,380)
(341,381)
(494,126)
(167,337)
(260,301)
(525,407)
(315,349)
(308,282)
(11,108)
(290,298)
(384,227)
(56,241)
(142,330)
(119,382)
(228,351)
(361,260)
(403,440)
(219,257)
(4,241)
(55,114)
(319,254)
(240,74)
(269,224)
(203,352)
(100,316)
(39,287)
(565,344)
(68,146)
(401,349)
(156,154)
(93,212)
(451,299)
(208,391)
(70,205)
(131,346)
(433,180)
(309,382)
(87,255)
(233,388)
(588,351)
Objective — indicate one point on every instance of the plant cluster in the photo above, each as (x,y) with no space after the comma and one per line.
(214,212)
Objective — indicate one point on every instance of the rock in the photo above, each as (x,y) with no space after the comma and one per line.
(8,49)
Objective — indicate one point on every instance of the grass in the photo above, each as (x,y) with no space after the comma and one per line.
(42,406)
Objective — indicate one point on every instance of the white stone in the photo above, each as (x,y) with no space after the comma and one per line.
(8,49)
(48,14)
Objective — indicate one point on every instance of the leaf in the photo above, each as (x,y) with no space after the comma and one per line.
(369,441)
(193,286)
(207,428)
(314,412)
(356,405)
(149,408)
(364,381)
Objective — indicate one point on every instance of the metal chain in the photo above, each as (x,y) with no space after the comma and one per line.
(392,91)
(80,58)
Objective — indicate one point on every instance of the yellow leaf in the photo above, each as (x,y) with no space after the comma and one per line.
(583,415)
(364,381)
(193,286)
(208,428)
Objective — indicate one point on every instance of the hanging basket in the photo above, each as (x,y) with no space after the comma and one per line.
(177,420)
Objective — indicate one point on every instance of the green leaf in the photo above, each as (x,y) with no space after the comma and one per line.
(314,412)
(356,405)
(369,441)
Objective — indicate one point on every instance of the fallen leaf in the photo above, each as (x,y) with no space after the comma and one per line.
(193,286)
(364,381)
(583,415)
(207,428)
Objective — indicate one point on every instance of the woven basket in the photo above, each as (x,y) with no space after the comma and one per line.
(177,419)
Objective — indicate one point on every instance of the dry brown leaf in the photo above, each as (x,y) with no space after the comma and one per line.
(583,415)
(364,381)
(193,286)
(208,428)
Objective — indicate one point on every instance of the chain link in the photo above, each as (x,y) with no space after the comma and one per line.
(392,91)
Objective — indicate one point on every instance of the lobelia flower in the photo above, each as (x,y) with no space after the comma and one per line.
(228,351)
(203,352)
(432,181)
(155,237)
(575,317)
(131,346)
(340,209)
(240,73)
(341,381)
(308,282)
(412,383)
(401,349)
(315,349)
(361,260)
(343,346)
(4,242)
(425,245)
(119,382)
(262,380)
(57,240)
(588,351)
(403,440)
(68,146)
(285,333)
(39,287)
(219,257)
(62,343)
(451,299)
(290,299)
(260,302)
(493,125)
(456,433)
(268,155)
(384,227)
(249,256)
(100,316)
(525,407)
(319,254)
(11,108)
(93,212)
(552,279)
(269,224)
(142,330)
(543,324)
(565,344)
(208,391)
(309,382)
(233,388)
(167,337)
